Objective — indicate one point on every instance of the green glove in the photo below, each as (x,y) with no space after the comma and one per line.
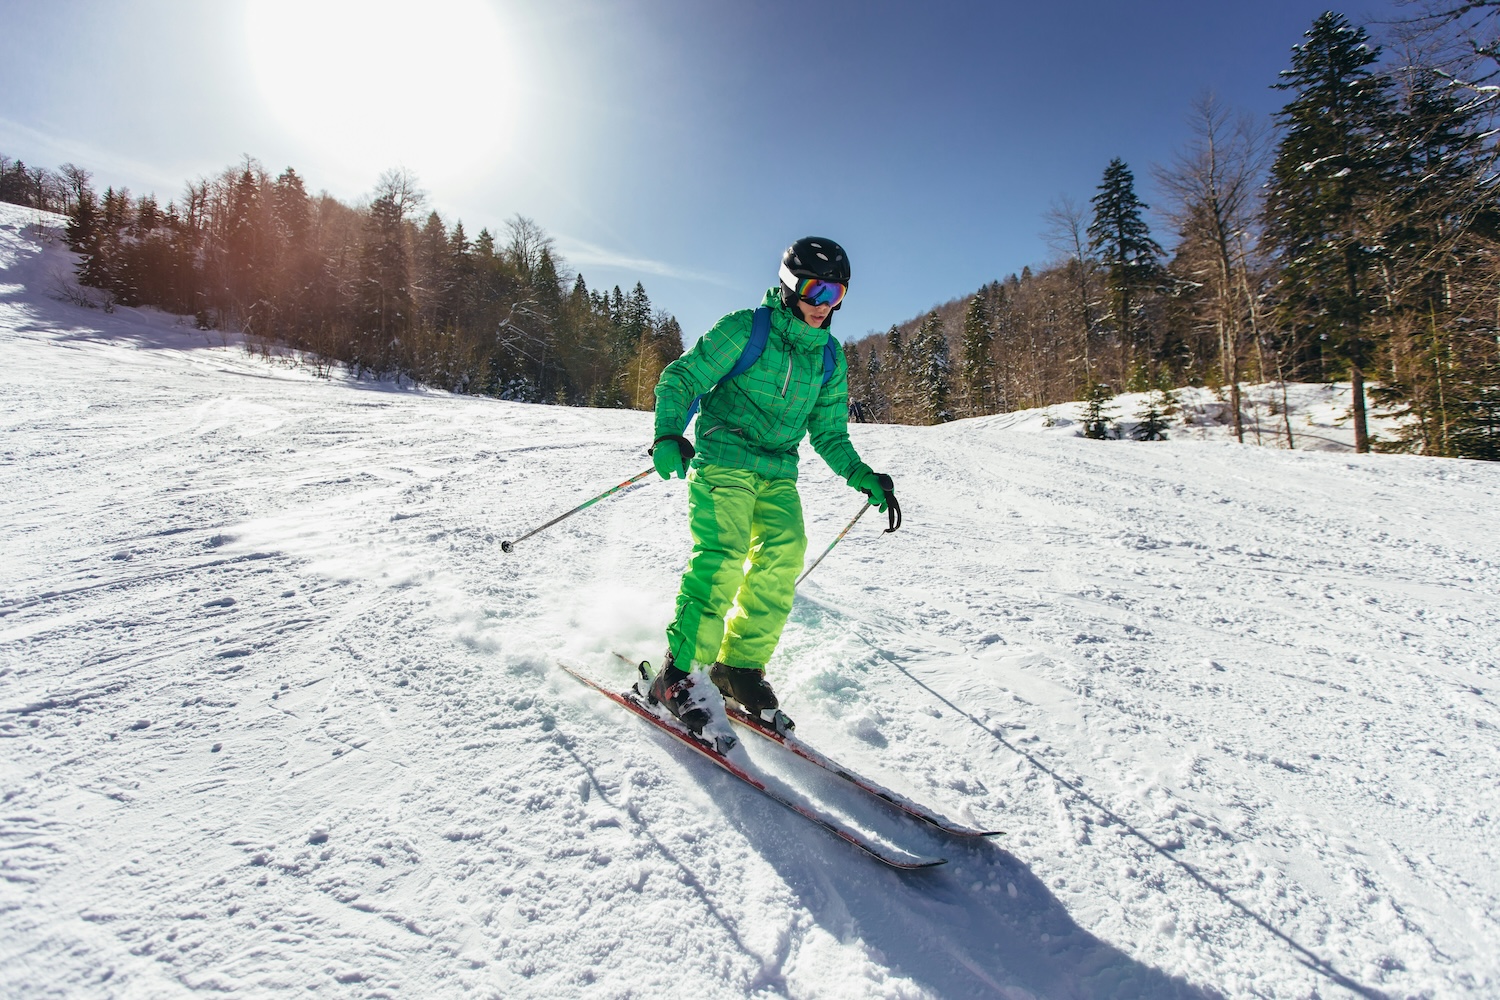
(873,485)
(671,453)
(881,491)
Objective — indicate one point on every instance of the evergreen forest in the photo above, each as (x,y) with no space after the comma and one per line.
(380,288)
(1356,239)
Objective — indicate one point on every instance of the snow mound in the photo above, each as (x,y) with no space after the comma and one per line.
(1316,417)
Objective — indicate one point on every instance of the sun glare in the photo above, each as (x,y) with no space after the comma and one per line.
(373,84)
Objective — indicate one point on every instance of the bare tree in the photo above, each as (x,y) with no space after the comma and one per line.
(1066,234)
(400,185)
(1461,35)
(77,180)
(527,243)
(1212,186)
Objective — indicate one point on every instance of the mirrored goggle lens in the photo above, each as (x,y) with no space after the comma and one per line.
(820,293)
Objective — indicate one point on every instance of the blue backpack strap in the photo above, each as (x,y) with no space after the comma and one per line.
(760,333)
(830,359)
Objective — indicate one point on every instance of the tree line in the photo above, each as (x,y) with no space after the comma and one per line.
(1356,239)
(379,288)
(38,187)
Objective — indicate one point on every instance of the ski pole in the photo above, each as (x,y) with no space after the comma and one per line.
(508,546)
(862,509)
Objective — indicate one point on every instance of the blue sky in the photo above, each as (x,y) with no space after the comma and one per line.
(682,143)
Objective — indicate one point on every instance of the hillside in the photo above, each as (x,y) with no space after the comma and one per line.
(279,715)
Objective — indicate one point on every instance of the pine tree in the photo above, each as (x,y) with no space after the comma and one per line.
(1152,418)
(617,306)
(897,377)
(1323,211)
(83,239)
(433,273)
(484,244)
(551,339)
(1120,240)
(244,243)
(148,251)
(460,273)
(293,267)
(978,358)
(14,182)
(114,217)
(384,306)
(290,207)
(931,372)
(1098,411)
(877,405)
(1437,279)
(1476,432)
(637,311)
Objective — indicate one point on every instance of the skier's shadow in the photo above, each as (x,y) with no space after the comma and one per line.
(983,925)
(1023,935)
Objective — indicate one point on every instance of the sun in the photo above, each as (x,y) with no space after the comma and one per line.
(372,84)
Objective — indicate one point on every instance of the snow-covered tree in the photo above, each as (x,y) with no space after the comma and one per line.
(1098,411)
(931,372)
(1324,218)
(978,358)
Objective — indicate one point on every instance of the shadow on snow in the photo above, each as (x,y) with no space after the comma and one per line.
(1109,980)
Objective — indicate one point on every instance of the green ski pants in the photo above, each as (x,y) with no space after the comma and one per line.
(725,611)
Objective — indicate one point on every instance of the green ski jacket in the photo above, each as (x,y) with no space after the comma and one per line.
(757,420)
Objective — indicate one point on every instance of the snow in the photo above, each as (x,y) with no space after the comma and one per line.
(278,714)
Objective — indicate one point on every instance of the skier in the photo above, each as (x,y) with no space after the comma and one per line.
(742,481)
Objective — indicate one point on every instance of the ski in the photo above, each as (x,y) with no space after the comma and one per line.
(893,857)
(801,749)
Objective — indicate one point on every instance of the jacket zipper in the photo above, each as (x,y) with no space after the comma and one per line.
(788,375)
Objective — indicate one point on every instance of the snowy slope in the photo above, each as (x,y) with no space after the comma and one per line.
(278,714)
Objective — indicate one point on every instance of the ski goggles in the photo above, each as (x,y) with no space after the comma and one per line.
(814,291)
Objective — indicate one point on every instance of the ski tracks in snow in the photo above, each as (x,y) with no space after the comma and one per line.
(276,712)
(1223,756)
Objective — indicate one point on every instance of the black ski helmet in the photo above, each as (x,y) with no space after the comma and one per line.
(814,257)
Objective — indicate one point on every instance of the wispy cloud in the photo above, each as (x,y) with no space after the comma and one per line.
(109,167)
(580,253)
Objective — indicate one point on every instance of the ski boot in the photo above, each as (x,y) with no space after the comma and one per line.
(753,692)
(679,692)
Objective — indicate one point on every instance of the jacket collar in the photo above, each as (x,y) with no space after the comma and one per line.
(792,327)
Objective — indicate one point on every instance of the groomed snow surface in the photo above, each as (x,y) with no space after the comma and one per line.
(279,716)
